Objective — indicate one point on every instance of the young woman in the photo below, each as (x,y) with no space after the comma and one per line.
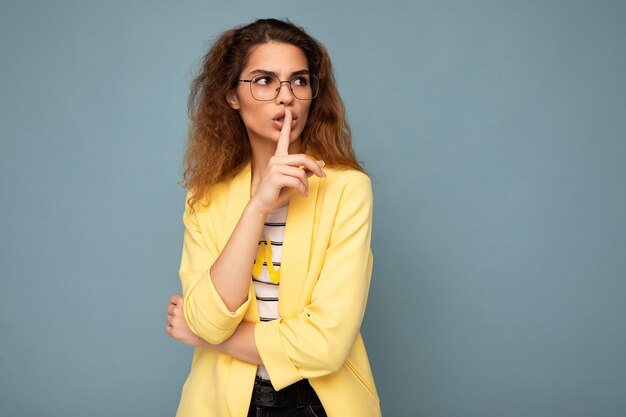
(276,261)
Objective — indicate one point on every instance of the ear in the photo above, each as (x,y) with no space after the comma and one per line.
(232,100)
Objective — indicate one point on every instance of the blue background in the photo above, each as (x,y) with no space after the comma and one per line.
(494,132)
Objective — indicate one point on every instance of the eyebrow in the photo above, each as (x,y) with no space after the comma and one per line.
(262,71)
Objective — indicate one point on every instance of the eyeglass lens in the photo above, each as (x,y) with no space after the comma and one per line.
(267,87)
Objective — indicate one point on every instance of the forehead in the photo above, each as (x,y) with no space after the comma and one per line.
(281,58)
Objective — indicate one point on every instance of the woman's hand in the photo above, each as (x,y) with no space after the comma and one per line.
(283,173)
(177,326)
(240,345)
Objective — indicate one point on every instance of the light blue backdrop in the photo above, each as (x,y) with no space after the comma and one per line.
(494,132)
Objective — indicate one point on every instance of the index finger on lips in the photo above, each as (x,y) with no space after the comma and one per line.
(282,148)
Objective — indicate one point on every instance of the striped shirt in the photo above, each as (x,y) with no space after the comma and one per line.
(267,291)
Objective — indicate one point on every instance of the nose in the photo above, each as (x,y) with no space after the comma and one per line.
(284,95)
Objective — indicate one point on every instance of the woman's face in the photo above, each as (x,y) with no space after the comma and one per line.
(260,117)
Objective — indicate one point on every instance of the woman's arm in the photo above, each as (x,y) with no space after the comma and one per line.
(230,272)
(205,312)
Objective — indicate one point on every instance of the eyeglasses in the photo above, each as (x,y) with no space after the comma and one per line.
(266,87)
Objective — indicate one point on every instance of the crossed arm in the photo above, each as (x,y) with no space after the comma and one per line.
(314,343)
(240,345)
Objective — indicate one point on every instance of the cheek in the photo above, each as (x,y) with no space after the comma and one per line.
(250,114)
(248,117)
(306,113)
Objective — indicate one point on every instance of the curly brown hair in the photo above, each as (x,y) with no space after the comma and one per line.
(218,146)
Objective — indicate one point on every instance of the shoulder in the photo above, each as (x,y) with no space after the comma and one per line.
(345,196)
(346,191)
(214,196)
(343,179)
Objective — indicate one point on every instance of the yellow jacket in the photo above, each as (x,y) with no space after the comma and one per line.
(326,267)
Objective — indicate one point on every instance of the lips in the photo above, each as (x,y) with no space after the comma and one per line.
(279,119)
(280,116)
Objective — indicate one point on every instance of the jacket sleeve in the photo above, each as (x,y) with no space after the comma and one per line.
(205,312)
(318,340)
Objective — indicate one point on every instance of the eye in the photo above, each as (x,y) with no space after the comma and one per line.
(300,81)
(263,80)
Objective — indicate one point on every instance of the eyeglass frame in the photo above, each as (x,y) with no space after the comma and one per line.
(281,84)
